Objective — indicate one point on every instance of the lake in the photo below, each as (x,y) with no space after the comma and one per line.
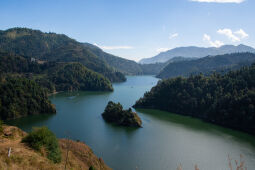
(165,141)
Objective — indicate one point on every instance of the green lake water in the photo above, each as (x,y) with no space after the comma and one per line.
(165,141)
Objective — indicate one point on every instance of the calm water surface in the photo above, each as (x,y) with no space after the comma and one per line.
(165,141)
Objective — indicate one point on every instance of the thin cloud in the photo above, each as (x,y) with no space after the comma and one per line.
(219,1)
(173,36)
(233,36)
(241,33)
(229,34)
(216,43)
(162,49)
(113,47)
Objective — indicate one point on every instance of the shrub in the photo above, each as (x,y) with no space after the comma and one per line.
(43,138)
(92,168)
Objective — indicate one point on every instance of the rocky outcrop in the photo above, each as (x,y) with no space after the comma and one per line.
(114,113)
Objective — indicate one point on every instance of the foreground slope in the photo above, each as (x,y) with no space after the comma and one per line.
(80,156)
(54,47)
(227,100)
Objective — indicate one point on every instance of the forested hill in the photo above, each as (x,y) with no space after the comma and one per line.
(123,65)
(54,47)
(22,97)
(54,76)
(227,100)
(207,65)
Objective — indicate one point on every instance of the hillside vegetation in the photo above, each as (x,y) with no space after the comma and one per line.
(227,100)
(54,47)
(54,76)
(115,114)
(207,65)
(21,97)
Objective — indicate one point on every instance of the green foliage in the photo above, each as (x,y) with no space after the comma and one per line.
(114,113)
(207,65)
(75,76)
(21,97)
(92,168)
(55,76)
(54,47)
(228,100)
(43,138)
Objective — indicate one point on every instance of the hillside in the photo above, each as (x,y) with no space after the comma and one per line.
(227,100)
(207,65)
(22,97)
(196,52)
(125,66)
(54,47)
(155,68)
(54,76)
(80,156)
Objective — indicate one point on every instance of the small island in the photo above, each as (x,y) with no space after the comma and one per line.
(114,113)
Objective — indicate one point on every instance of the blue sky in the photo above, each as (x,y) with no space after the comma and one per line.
(136,29)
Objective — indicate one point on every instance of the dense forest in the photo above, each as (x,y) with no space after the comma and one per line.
(227,100)
(54,76)
(54,47)
(74,76)
(21,97)
(207,65)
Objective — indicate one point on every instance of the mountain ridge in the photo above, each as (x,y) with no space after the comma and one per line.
(54,47)
(196,52)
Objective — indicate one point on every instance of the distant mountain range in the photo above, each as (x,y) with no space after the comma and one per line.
(207,65)
(196,52)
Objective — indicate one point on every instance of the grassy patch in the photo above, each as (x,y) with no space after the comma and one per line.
(41,138)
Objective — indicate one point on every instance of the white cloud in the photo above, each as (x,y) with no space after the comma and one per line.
(229,34)
(241,33)
(162,49)
(220,1)
(113,47)
(233,36)
(173,36)
(216,43)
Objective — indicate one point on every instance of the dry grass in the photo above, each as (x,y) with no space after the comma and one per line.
(24,158)
(238,165)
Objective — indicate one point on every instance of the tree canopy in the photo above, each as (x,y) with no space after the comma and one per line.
(228,99)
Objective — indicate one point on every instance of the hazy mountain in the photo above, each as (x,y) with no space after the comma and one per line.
(196,52)
(123,65)
(207,64)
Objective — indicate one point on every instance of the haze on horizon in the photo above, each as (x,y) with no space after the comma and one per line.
(137,29)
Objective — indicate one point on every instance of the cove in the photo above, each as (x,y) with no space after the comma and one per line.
(165,141)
